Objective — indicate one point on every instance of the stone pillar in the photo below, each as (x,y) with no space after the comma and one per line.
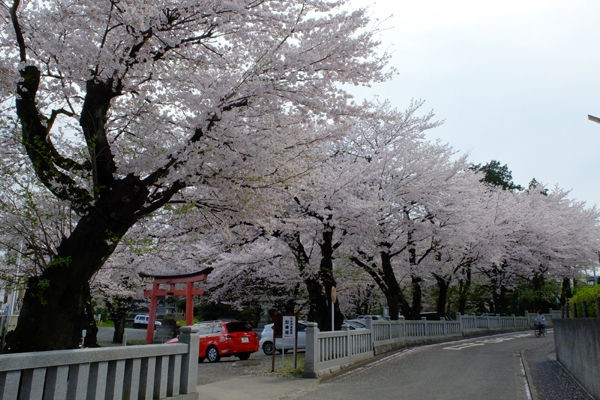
(312,350)
(189,369)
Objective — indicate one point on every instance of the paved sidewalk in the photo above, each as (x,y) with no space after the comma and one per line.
(256,387)
(548,380)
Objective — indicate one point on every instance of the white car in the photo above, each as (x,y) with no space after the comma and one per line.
(141,321)
(283,344)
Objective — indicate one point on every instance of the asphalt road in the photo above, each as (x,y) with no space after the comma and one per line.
(492,368)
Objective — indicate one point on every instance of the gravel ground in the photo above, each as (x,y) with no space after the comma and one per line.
(548,380)
(259,364)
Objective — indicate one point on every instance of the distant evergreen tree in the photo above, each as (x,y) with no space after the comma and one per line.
(497,175)
(535,185)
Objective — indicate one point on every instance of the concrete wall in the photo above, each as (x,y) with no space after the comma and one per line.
(577,344)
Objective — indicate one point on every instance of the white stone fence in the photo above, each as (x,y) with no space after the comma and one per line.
(162,371)
(327,352)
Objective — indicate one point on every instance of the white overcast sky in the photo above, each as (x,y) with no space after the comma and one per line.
(513,80)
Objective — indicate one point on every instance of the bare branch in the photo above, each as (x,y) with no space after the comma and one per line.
(18,32)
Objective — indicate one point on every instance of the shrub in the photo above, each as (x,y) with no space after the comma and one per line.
(586,295)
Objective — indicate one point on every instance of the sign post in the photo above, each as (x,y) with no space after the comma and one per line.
(277,333)
(333,299)
(289,332)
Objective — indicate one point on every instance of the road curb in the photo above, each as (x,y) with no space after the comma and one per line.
(532,393)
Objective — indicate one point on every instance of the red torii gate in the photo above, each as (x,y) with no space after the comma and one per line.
(172,281)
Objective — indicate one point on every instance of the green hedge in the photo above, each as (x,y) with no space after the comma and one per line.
(586,295)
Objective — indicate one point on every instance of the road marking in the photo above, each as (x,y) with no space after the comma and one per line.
(483,342)
(463,346)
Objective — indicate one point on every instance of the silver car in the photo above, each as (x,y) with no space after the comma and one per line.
(283,344)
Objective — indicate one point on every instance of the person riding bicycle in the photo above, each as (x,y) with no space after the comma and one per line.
(540,322)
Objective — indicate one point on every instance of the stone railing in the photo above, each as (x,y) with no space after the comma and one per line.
(327,352)
(128,372)
(488,322)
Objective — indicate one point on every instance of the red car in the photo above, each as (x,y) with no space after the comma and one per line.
(224,339)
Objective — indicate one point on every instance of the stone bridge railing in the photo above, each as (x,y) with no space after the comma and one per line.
(327,352)
(129,372)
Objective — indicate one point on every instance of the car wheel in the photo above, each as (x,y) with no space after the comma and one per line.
(244,356)
(212,354)
(267,348)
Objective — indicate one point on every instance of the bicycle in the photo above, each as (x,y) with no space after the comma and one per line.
(539,330)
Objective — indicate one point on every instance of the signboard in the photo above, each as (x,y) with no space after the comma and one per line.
(289,326)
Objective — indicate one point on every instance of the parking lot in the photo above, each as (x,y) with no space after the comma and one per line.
(227,367)
(258,364)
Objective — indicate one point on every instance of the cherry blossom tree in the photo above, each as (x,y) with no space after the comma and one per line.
(404,176)
(535,235)
(310,227)
(126,106)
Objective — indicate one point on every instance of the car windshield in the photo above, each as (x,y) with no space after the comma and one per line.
(204,329)
(238,327)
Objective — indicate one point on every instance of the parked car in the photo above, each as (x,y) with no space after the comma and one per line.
(224,339)
(142,320)
(283,344)
(353,324)
(372,317)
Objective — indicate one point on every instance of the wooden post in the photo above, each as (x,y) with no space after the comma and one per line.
(189,304)
(153,306)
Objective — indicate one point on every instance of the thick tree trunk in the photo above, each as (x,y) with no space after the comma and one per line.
(464,290)
(565,292)
(443,284)
(499,297)
(117,310)
(317,309)
(50,318)
(89,321)
(393,293)
(319,285)
(417,297)
(53,309)
(119,332)
(328,281)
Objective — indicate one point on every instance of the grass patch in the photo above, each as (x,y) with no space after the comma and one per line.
(285,366)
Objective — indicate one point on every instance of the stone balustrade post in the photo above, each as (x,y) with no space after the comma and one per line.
(312,350)
(189,371)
